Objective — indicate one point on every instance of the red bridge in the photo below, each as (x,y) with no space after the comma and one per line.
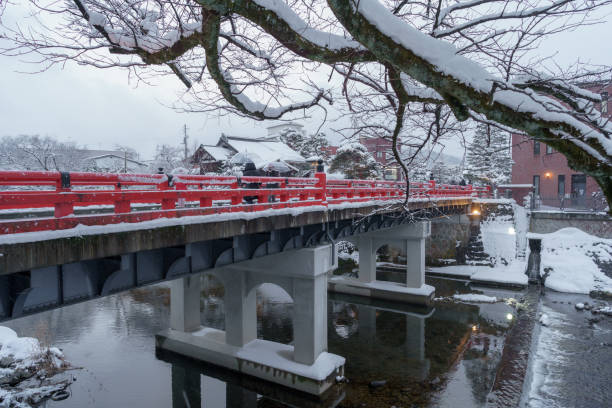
(130,198)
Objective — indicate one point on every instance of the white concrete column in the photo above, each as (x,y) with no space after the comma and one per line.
(185,304)
(415,263)
(240,309)
(309,318)
(367,259)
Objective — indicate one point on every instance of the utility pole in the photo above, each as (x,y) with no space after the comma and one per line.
(185,137)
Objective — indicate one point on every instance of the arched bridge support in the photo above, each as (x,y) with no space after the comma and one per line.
(412,238)
(302,273)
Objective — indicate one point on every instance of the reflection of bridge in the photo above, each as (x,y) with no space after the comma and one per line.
(188,389)
(389,329)
(282,240)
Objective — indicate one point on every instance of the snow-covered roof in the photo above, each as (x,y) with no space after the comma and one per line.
(265,150)
(218,153)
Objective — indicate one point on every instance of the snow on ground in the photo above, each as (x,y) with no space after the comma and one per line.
(21,359)
(548,360)
(513,274)
(499,238)
(568,261)
(472,297)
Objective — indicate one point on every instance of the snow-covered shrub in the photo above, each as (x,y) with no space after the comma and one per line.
(354,160)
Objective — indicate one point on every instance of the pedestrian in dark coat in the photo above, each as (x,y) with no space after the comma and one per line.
(251,170)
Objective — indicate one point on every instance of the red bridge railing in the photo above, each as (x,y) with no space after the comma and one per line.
(106,198)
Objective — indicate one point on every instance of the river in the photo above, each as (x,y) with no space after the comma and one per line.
(401,356)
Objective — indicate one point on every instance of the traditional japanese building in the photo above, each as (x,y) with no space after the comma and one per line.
(261,151)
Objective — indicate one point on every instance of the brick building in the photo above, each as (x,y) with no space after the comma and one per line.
(381,149)
(540,168)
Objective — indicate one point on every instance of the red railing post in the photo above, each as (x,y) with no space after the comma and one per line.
(206,202)
(321,186)
(431,188)
(122,206)
(167,203)
(63,207)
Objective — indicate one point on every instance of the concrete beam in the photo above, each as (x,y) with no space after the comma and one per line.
(414,230)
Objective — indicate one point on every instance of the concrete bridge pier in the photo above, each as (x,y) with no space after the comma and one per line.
(306,365)
(412,237)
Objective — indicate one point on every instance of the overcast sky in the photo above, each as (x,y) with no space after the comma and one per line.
(100,108)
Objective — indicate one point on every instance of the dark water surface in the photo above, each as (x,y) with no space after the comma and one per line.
(446,356)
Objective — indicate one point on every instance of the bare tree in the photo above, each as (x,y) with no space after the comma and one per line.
(27,152)
(168,158)
(417,72)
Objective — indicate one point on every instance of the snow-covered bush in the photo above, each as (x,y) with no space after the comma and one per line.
(354,160)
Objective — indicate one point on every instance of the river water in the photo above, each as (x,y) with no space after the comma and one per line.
(446,356)
(571,355)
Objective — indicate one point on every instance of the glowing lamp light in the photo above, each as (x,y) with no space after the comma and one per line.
(509,316)
(474,328)
(511,231)
(548,174)
(475,211)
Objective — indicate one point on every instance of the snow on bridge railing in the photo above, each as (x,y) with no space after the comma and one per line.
(114,198)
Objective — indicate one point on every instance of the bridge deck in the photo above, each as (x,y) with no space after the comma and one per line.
(26,251)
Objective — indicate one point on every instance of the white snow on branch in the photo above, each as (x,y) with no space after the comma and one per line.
(270,112)
(549,8)
(150,41)
(441,54)
(444,57)
(320,38)
(419,92)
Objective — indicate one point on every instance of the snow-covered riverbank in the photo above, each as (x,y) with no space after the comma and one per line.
(27,371)
(570,355)
(572,261)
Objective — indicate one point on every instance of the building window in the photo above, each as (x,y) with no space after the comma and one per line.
(536,147)
(578,185)
(549,149)
(561,185)
(536,185)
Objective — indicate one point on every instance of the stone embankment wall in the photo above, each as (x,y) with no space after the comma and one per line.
(448,241)
(596,224)
(457,239)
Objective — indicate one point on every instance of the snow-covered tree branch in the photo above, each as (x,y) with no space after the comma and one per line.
(392,65)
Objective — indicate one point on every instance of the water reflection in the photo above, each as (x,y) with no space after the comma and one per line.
(427,357)
(192,381)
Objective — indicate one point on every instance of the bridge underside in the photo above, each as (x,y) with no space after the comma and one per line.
(36,275)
